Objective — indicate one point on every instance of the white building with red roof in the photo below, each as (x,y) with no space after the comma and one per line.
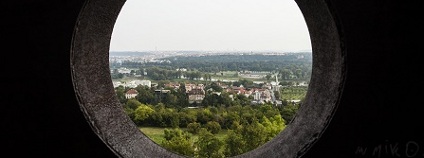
(132,93)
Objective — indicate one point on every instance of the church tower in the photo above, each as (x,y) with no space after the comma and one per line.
(276,85)
(276,80)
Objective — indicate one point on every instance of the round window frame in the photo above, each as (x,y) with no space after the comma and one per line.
(97,99)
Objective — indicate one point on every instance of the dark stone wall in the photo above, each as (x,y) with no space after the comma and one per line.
(380,106)
(40,116)
(378,116)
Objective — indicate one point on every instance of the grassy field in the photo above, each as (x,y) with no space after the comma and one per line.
(154,133)
(293,93)
(231,75)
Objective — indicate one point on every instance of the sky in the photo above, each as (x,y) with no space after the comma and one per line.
(210,25)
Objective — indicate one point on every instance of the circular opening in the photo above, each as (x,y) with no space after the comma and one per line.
(97,99)
(175,74)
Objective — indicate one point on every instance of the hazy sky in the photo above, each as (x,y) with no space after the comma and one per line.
(216,25)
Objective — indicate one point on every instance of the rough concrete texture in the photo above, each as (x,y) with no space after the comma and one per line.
(94,89)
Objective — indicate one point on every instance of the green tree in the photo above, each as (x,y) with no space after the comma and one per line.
(170,100)
(132,104)
(145,95)
(226,99)
(120,93)
(234,144)
(211,99)
(278,123)
(213,127)
(288,112)
(182,99)
(236,126)
(130,107)
(254,133)
(178,141)
(194,127)
(208,145)
(285,73)
(142,113)
(215,87)
(268,77)
(171,118)
(242,100)
(187,118)
(273,126)
(204,115)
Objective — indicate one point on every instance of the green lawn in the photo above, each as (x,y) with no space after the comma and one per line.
(154,133)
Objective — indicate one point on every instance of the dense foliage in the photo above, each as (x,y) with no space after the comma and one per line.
(248,126)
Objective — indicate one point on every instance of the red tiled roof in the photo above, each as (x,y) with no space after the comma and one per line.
(196,92)
(132,91)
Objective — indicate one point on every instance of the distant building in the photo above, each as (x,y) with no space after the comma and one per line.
(117,84)
(190,87)
(124,71)
(162,91)
(175,86)
(261,95)
(135,83)
(196,95)
(182,69)
(294,101)
(237,90)
(132,93)
(147,83)
(160,94)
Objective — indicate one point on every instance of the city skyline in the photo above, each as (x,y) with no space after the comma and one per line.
(210,25)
